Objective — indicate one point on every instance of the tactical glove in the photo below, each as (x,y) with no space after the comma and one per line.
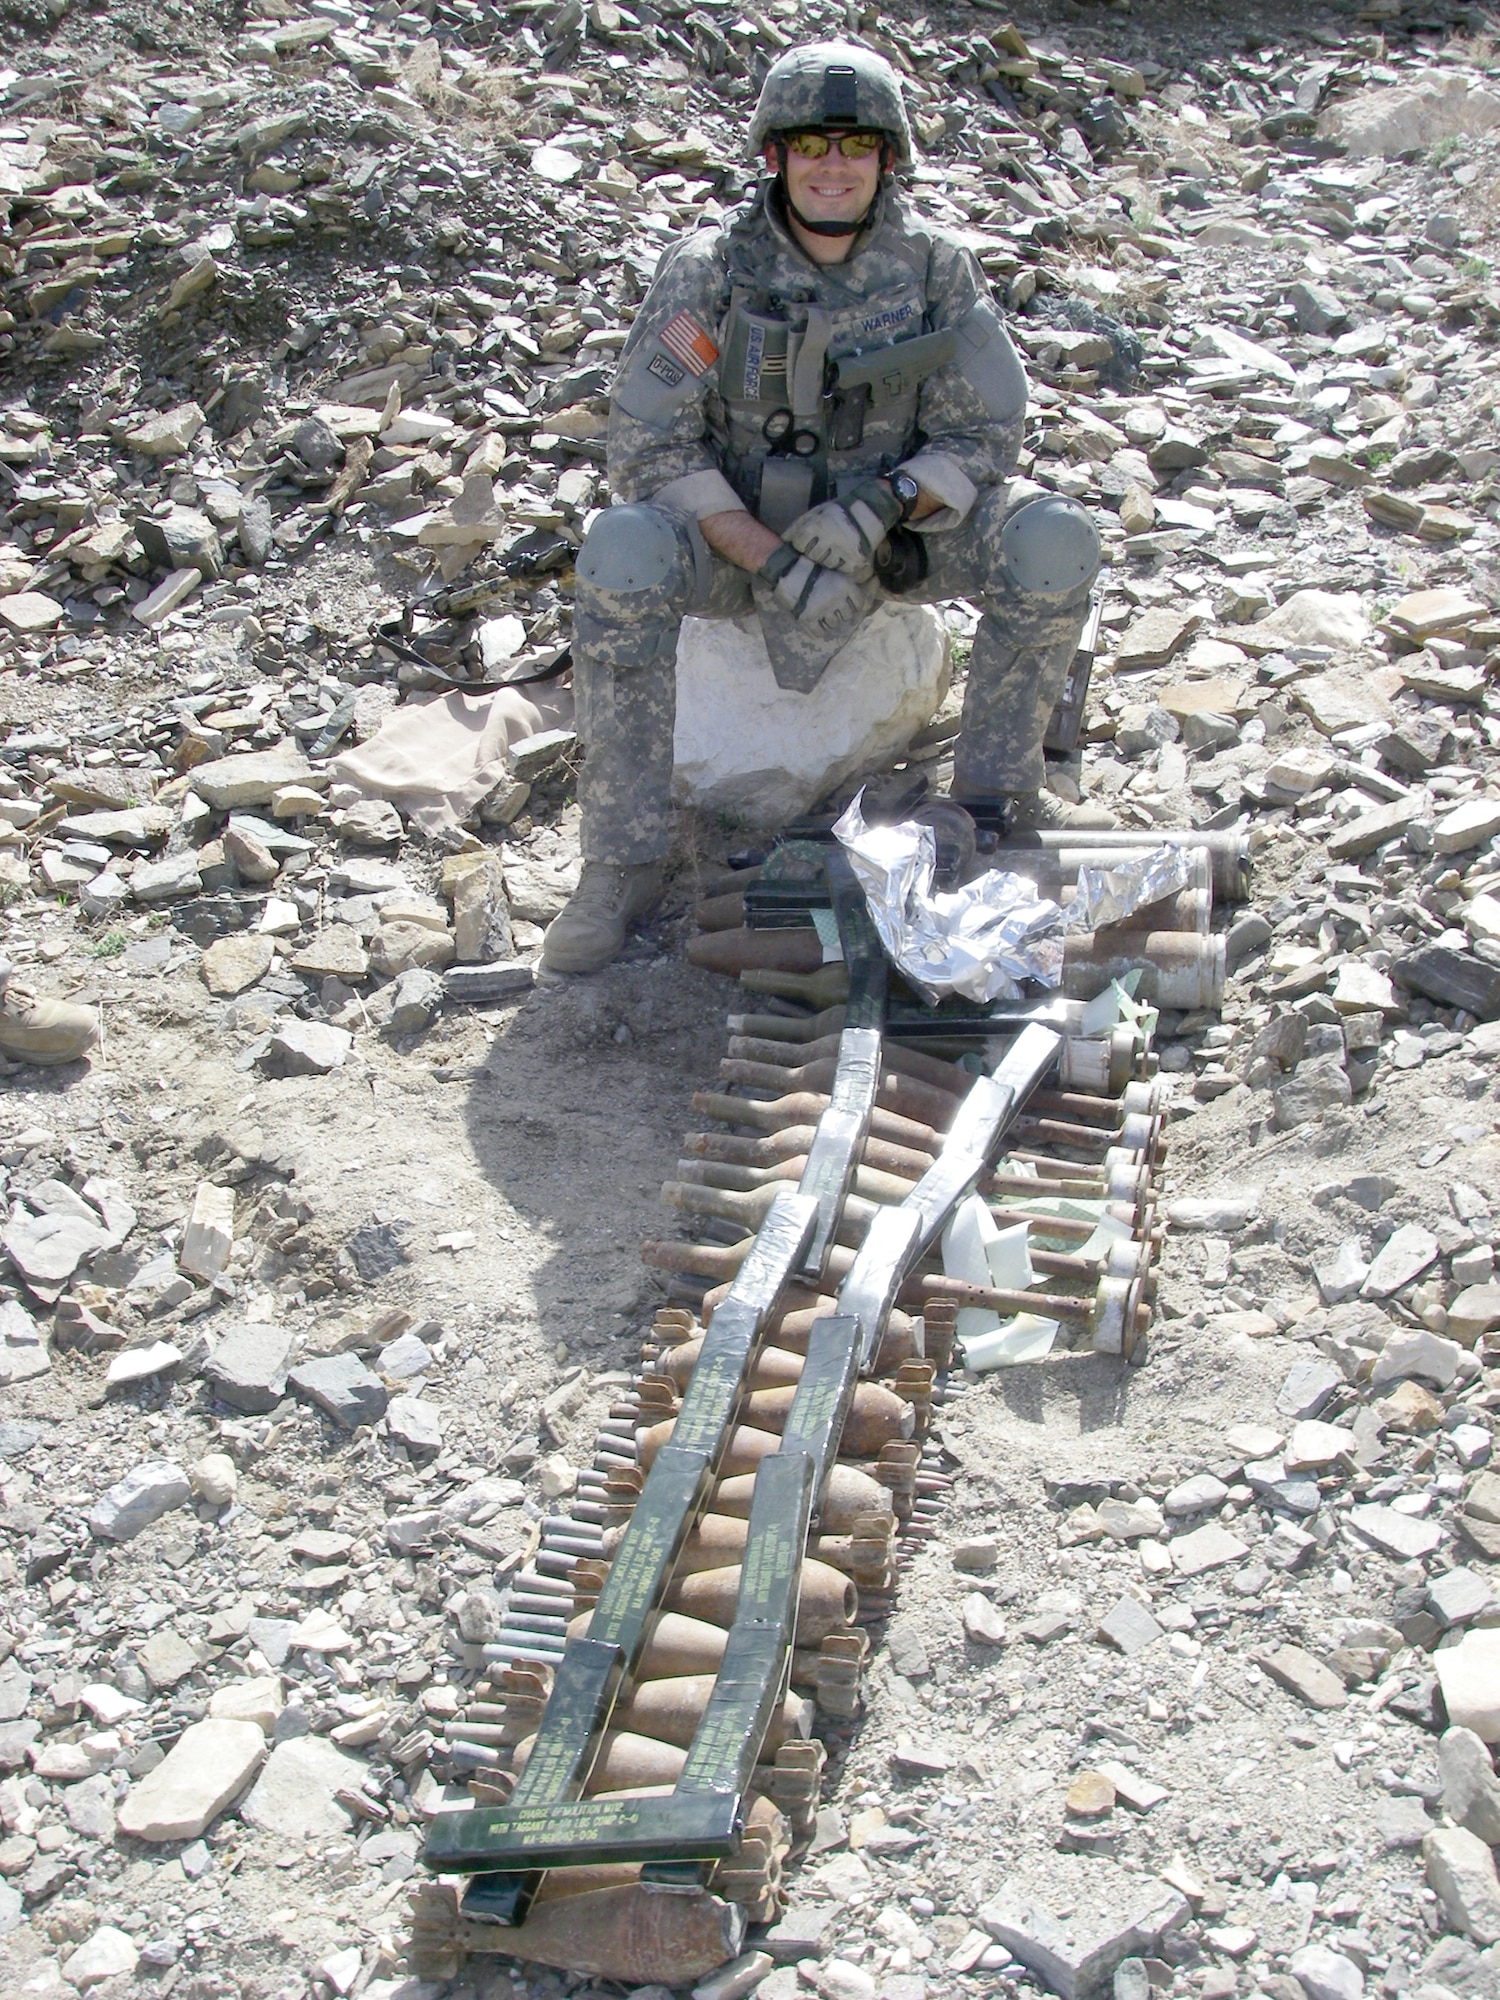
(844,534)
(807,614)
(823,602)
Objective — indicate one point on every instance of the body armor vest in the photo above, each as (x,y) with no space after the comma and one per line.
(818,393)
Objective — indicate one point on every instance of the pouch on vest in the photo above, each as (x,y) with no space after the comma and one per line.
(882,377)
(753,368)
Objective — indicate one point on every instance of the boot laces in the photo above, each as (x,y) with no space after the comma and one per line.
(602,886)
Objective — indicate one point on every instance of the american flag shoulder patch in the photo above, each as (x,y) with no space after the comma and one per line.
(683,337)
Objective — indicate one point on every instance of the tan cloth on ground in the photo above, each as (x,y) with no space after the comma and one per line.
(437,759)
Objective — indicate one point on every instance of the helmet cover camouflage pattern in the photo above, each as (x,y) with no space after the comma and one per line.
(826,85)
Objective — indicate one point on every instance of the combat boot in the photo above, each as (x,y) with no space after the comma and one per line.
(36,1030)
(591,930)
(1045,812)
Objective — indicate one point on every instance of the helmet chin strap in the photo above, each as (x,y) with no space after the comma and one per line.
(805,221)
(821,228)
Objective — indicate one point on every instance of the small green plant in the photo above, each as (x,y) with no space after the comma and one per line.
(1475,267)
(1378,455)
(110,945)
(1444,150)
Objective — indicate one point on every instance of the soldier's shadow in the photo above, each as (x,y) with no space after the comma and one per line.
(575,1119)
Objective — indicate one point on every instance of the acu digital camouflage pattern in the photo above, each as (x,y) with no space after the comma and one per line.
(903,279)
(625,674)
(675,423)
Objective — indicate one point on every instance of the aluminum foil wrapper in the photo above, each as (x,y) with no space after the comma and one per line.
(1109,895)
(982,941)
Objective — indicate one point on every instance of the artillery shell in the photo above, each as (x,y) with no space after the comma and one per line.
(678,1645)
(772,1367)
(849,1497)
(737,951)
(783,1362)
(745,1451)
(624,1763)
(876,1416)
(828,1601)
(621,1931)
(670,1710)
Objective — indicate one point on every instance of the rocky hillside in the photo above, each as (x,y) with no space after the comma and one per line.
(322,1270)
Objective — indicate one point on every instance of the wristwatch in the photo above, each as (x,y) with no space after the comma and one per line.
(906,491)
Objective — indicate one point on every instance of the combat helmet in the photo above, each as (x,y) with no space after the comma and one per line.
(828,85)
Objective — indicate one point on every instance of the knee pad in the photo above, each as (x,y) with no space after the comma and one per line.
(1049,550)
(636,563)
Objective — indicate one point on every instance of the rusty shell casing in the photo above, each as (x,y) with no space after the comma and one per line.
(610,1929)
(625,1762)
(1228,853)
(735,951)
(828,1602)
(878,1417)
(849,1497)
(1178,968)
(671,1710)
(677,1645)
(746,1448)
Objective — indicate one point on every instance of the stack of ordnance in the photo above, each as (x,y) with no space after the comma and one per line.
(1180,957)
(1073,1160)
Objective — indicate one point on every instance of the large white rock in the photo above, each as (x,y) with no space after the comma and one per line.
(1308,618)
(1461,1869)
(1326,1974)
(256,1700)
(745,745)
(1410,116)
(145,1493)
(294,1795)
(107,1953)
(206,1768)
(1469,1675)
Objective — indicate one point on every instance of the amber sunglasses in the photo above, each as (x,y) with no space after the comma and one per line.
(815,145)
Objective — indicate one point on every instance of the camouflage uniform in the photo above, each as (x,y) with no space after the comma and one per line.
(740,324)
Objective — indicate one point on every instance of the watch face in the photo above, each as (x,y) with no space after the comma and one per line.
(905,489)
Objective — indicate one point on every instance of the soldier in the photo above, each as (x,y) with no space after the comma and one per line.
(817,407)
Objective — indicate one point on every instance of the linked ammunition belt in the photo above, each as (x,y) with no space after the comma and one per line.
(639,1751)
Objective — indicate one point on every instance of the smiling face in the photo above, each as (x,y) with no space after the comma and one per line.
(833,189)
